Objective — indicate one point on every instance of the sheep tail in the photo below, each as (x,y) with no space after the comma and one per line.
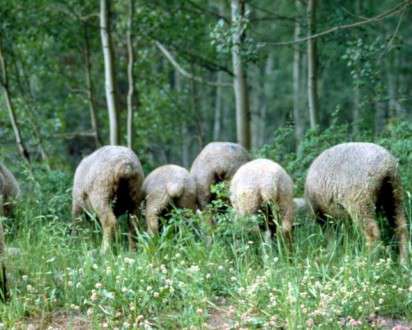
(125,169)
(174,189)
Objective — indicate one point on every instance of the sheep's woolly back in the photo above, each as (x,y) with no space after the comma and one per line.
(9,188)
(166,185)
(258,182)
(100,173)
(172,180)
(348,174)
(9,191)
(216,162)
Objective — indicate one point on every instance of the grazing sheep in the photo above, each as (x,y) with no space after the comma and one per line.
(165,186)
(358,179)
(109,182)
(261,183)
(9,191)
(300,206)
(218,161)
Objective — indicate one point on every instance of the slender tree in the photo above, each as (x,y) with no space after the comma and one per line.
(130,61)
(4,82)
(217,121)
(109,70)
(90,87)
(312,65)
(356,85)
(266,90)
(243,116)
(30,109)
(297,93)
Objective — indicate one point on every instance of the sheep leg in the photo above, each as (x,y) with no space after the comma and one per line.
(366,216)
(152,223)
(132,223)
(107,220)
(155,203)
(401,230)
(270,223)
(203,190)
(287,224)
(402,234)
(76,210)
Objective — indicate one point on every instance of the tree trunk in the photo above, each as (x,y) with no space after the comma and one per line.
(10,108)
(185,137)
(109,70)
(196,109)
(298,115)
(312,66)
(356,109)
(356,88)
(217,123)
(380,116)
(266,91)
(243,128)
(130,61)
(90,89)
(30,109)
(393,73)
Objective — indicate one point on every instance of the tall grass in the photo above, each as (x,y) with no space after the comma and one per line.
(194,272)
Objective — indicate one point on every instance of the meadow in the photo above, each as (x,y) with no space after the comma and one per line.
(198,276)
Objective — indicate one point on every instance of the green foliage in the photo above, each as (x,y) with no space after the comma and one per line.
(398,139)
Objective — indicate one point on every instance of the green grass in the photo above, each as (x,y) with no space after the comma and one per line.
(178,280)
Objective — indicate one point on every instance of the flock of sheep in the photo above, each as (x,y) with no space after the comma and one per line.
(349,179)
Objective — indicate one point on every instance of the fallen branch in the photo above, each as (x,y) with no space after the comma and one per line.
(185,73)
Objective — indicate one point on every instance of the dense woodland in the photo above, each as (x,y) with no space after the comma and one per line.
(286,79)
(182,73)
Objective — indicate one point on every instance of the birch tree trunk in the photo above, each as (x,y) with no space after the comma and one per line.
(356,87)
(195,105)
(312,66)
(130,79)
(266,91)
(185,138)
(217,122)
(243,125)
(298,115)
(109,71)
(10,107)
(90,89)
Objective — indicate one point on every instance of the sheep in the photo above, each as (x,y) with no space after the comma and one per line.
(109,183)
(167,185)
(358,179)
(9,192)
(260,183)
(218,161)
(300,206)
